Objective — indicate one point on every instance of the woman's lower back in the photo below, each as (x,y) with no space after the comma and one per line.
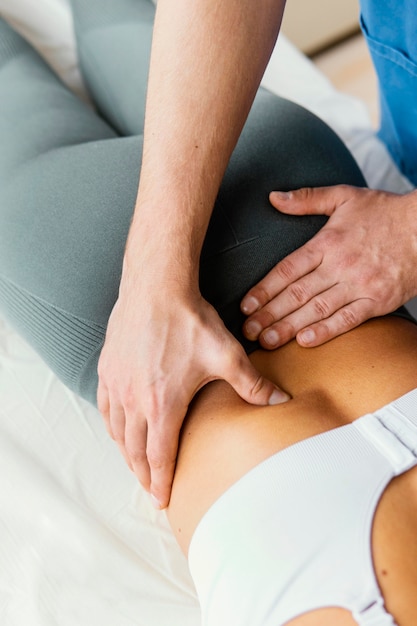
(356,374)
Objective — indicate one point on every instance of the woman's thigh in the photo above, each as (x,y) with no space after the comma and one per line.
(67,191)
(114,42)
(64,222)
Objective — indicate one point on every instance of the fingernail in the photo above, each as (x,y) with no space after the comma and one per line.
(278,397)
(156,503)
(281,195)
(253,329)
(271,337)
(307,336)
(250,305)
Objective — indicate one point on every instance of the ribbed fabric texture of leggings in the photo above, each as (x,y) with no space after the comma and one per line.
(69,178)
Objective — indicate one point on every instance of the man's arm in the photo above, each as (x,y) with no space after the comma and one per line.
(208,58)
(164,342)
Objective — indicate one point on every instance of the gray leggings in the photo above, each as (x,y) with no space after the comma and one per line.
(69,178)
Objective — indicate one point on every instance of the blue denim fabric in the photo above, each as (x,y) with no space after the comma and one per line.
(390,27)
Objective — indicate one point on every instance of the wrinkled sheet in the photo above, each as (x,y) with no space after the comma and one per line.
(80,543)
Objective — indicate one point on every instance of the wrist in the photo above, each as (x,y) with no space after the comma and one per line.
(157,268)
(165,240)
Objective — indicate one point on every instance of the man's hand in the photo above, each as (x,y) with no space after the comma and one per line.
(361,264)
(159,351)
(163,343)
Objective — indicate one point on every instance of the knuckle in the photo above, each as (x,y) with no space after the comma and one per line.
(285,269)
(345,189)
(298,293)
(349,318)
(129,399)
(351,261)
(257,387)
(321,308)
(103,406)
(136,453)
(380,290)
(105,371)
(305,194)
(101,366)
(119,438)
(330,238)
(153,405)
(160,461)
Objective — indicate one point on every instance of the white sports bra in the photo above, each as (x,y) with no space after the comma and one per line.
(294,534)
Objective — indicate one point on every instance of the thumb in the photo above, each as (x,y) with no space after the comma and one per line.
(309,200)
(251,386)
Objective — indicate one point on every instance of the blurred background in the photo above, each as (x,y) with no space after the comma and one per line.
(329,33)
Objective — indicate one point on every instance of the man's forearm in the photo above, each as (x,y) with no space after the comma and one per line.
(208,58)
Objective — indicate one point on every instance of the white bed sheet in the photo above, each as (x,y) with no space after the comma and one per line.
(80,543)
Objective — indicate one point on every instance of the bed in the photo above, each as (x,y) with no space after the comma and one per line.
(80,542)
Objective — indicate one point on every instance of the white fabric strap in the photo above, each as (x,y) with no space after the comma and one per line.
(387,440)
(401,425)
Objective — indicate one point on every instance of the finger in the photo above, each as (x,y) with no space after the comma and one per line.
(117,427)
(103,405)
(249,384)
(311,200)
(124,454)
(136,434)
(293,299)
(342,321)
(299,263)
(317,308)
(117,422)
(162,448)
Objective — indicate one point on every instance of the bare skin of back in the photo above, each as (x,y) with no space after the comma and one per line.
(331,385)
